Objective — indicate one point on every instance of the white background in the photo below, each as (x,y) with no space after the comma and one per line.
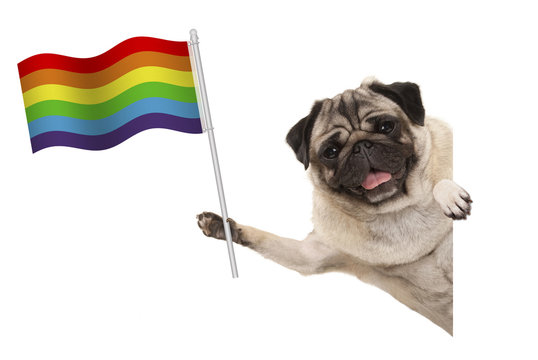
(100,254)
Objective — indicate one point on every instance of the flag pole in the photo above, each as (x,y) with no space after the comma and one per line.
(206,115)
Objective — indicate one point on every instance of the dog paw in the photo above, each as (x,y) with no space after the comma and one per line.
(453,199)
(213,226)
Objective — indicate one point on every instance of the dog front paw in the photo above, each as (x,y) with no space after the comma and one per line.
(453,199)
(213,226)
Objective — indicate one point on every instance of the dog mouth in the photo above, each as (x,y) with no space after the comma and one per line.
(376,178)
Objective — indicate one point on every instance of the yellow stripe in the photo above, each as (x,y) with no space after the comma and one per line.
(108,91)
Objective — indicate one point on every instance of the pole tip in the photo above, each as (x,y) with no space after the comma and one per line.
(194,35)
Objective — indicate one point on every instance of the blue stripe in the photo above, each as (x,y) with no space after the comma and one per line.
(114,121)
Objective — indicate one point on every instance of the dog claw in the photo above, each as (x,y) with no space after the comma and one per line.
(455,202)
(213,226)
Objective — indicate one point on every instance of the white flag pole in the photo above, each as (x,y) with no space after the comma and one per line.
(206,115)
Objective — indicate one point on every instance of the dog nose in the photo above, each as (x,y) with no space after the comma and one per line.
(364,143)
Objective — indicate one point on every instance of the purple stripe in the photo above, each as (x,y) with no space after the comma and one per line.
(115,137)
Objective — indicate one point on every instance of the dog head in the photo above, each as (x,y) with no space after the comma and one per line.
(361,143)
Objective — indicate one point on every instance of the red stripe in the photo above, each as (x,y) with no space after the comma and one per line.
(100,62)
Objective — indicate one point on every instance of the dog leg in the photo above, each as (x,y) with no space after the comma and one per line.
(306,257)
(455,202)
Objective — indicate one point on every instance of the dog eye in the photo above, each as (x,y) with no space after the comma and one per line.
(330,152)
(385,126)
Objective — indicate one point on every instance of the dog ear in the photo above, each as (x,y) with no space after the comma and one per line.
(299,135)
(406,95)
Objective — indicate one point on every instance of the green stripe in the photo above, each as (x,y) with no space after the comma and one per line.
(107,108)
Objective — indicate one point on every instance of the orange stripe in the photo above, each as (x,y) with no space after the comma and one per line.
(103,77)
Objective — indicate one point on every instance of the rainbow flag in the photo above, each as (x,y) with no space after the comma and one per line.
(97,103)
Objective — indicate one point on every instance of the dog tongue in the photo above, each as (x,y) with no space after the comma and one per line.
(375,178)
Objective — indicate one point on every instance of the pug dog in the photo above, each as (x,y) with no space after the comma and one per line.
(384,199)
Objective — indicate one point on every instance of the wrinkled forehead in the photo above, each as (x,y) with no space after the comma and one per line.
(353,110)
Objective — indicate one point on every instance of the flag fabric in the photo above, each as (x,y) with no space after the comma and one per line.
(97,103)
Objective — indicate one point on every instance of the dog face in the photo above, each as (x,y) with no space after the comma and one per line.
(361,143)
